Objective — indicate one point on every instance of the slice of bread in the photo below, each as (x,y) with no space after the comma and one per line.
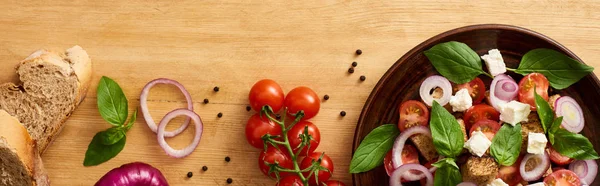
(20,162)
(53,84)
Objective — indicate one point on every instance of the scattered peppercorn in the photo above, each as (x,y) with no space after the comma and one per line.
(363,78)
(354,64)
(248,108)
(204,168)
(358,52)
(190,174)
(220,114)
(205,101)
(343,113)
(326,97)
(216,89)
(351,70)
(229,180)
(227,159)
(277,116)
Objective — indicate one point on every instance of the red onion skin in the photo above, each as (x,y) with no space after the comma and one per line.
(545,159)
(133,174)
(590,172)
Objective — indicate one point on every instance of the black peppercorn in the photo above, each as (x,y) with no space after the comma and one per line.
(227,159)
(326,97)
(358,52)
(229,180)
(220,114)
(343,113)
(363,78)
(190,174)
(248,108)
(351,70)
(216,89)
(204,168)
(354,64)
(205,101)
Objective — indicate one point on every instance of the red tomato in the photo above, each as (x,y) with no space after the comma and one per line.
(557,157)
(297,130)
(510,174)
(266,92)
(257,127)
(526,86)
(303,98)
(476,89)
(412,113)
(409,155)
(480,112)
(325,162)
(487,127)
(562,178)
(333,183)
(273,155)
(290,181)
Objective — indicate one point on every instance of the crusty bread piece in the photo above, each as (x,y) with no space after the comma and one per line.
(53,84)
(480,171)
(20,162)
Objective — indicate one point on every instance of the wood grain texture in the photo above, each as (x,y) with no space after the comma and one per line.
(232,45)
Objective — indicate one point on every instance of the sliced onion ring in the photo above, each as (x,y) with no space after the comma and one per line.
(160,133)
(585,169)
(146,113)
(506,89)
(494,100)
(399,146)
(539,170)
(432,82)
(467,184)
(572,114)
(395,179)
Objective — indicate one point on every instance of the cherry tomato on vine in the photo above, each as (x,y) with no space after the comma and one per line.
(526,86)
(333,183)
(412,113)
(271,156)
(298,129)
(290,181)
(257,127)
(266,92)
(303,98)
(325,162)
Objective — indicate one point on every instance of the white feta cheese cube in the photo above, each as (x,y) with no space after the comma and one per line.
(536,143)
(461,101)
(494,62)
(478,143)
(497,182)
(514,112)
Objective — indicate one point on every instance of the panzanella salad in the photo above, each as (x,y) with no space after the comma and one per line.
(515,131)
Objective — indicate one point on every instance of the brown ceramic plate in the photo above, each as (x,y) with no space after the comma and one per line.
(401,82)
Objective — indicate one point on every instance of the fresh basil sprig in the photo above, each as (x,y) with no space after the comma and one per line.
(455,61)
(372,149)
(544,111)
(447,174)
(445,131)
(506,144)
(112,105)
(573,145)
(553,128)
(561,70)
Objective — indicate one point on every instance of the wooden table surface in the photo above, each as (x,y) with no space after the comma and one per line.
(234,44)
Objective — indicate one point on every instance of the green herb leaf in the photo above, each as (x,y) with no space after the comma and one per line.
(449,161)
(112,103)
(544,111)
(112,135)
(98,153)
(131,120)
(555,126)
(573,145)
(561,70)
(506,144)
(446,175)
(455,61)
(445,131)
(372,149)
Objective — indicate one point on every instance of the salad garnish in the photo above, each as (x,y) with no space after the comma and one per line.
(561,70)
(506,144)
(372,149)
(455,61)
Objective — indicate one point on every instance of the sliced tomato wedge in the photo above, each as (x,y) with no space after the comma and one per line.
(562,178)
(480,112)
(558,158)
(487,127)
(476,89)
(409,155)
(526,86)
(412,113)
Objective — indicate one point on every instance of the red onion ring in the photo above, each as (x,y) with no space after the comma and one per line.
(395,179)
(494,100)
(506,89)
(146,113)
(432,82)
(161,133)
(467,184)
(585,169)
(573,119)
(538,171)
(399,146)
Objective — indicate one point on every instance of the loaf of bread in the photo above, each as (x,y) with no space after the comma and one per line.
(52,85)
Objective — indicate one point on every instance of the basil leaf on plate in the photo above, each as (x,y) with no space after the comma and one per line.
(372,149)
(112,103)
(555,126)
(544,111)
(98,153)
(573,145)
(131,120)
(561,70)
(455,61)
(445,131)
(449,161)
(506,144)
(446,175)
(112,135)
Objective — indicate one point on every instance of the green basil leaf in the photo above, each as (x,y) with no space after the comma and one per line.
(506,144)
(98,153)
(445,161)
(112,102)
(544,111)
(131,120)
(445,131)
(455,61)
(561,70)
(447,175)
(112,135)
(555,126)
(372,149)
(573,145)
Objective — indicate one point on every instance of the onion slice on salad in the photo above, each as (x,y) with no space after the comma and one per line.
(431,83)
(399,146)
(146,113)
(586,170)
(161,133)
(497,91)
(395,179)
(467,184)
(571,112)
(538,171)
(506,89)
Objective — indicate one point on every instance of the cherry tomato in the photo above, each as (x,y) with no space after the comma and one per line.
(303,98)
(273,155)
(290,181)
(510,174)
(412,113)
(409,155)
(325,162)
(333,183)
(257,127)
(487,127)
(297,130)
(526,86)
(476,89)
(266,92)
(562,178)
(479,112)
(557,157)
